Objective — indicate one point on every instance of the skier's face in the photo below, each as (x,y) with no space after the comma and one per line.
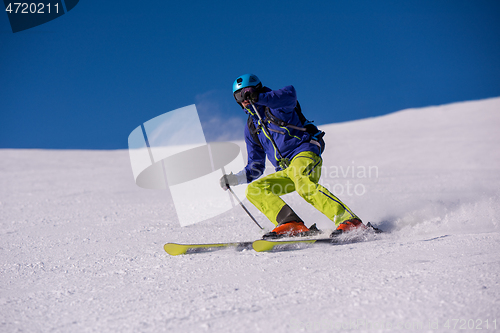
(245,103)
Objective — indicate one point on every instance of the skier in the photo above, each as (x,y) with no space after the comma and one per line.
(293,145)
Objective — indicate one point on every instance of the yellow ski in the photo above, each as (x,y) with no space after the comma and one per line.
(176,249)
(264,245)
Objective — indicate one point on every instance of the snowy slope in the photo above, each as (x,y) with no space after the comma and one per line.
(81,245)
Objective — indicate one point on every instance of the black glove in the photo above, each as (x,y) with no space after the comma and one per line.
(228,180)
(250,94)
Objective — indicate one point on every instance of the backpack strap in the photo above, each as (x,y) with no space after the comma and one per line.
(311,129)
(316,134)
(278,122)
(253,131)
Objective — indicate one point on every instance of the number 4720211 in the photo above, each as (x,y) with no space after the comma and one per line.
(31,8)
(462,324)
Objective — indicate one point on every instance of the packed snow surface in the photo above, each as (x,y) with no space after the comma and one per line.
(82,246)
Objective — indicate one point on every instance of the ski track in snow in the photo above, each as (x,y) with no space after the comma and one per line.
(81,244)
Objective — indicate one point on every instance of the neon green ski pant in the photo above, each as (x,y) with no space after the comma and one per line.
(302,175)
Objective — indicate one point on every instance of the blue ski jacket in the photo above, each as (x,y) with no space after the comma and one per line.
(290,142)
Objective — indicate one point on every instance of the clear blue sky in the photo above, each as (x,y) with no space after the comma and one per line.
(88,78)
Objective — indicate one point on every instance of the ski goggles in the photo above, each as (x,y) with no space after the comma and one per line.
(238,96)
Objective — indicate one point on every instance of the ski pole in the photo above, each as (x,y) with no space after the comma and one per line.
(243,206)
(264,127)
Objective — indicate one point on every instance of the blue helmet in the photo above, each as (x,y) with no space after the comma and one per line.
(247,80)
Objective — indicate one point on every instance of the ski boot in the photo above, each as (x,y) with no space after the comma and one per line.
(354,224)
(288,229)
(377,230)
(349,225)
